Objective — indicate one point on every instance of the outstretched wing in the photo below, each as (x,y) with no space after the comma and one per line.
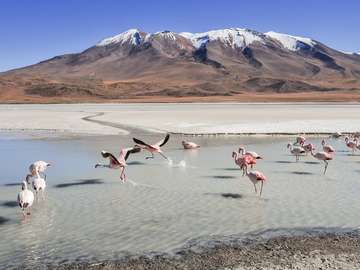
(141,142)
(164,141)
(112,158)
(132,151)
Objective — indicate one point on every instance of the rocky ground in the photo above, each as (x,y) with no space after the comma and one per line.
(326,251)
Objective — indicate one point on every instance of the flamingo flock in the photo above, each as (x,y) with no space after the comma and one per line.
(245,160)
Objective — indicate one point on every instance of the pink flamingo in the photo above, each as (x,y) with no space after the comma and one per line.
(296,151)
(251,153)
(243,161)
(118,163)
(300,140)
(324,156)
(351,144)
(327,148)
(190,145)
(308,148)
(256,177)
(153,148)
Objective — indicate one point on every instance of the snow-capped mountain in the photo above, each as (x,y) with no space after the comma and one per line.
(218,62)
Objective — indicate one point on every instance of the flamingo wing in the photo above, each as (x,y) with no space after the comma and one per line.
(141,142)
(164,141)
(132,151)
(112,158)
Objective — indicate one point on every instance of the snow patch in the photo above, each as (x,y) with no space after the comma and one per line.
(232,37)
(131,36)
(292,43)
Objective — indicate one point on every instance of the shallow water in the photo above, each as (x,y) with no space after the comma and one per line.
(88,214)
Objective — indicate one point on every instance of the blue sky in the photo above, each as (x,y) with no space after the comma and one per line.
(31,31)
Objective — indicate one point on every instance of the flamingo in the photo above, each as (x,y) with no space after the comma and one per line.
(118,163)
(300,140)
(296,151)
(25,198)
(256,177)
(190,145)
(36,168)
(39,184)
(243,161)
(351,144)
(251,153)
(324,156)
(308,148)
(153,148)
(327,148)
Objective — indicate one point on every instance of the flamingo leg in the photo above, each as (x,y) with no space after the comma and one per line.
(163,156)
(261,188)
(255,188)
(326,165)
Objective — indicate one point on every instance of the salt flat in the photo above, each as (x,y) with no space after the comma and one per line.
(192,118)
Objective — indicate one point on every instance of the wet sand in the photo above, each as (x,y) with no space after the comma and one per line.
(323,251)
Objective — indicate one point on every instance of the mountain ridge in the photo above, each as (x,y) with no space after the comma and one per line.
(223,62)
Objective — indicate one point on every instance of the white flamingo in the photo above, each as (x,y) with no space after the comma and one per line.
(300,140)
(36,168)
(297,151)
(39,185)
(25,198)
(251,153)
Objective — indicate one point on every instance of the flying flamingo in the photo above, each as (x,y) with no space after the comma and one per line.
(324,156)
(118,163)
(296,151)
(39,184)
(251,153)
(256,177)
(327,148)
(36,168)
(308,148)
(190,145)
(300,140)
(351,144)
(243,161)
(153,148)
(25,198)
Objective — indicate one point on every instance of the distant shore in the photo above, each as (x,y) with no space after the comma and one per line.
(247,97)
(185,119)
(323,251)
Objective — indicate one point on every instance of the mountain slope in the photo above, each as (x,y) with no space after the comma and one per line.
(225,62)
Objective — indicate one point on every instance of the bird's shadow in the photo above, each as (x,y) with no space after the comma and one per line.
(3,220)
(302,173)
(221,176)
(9,204)
(80,183)
(228,169)
(226,195)
(12,184)
(311,162)
(135,163)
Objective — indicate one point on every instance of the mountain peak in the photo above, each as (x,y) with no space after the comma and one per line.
(131,36)
(292,43)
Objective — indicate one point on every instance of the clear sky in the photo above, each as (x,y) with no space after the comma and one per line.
(31,31)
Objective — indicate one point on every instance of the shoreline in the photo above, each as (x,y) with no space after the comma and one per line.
(208,119)
(305,250)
